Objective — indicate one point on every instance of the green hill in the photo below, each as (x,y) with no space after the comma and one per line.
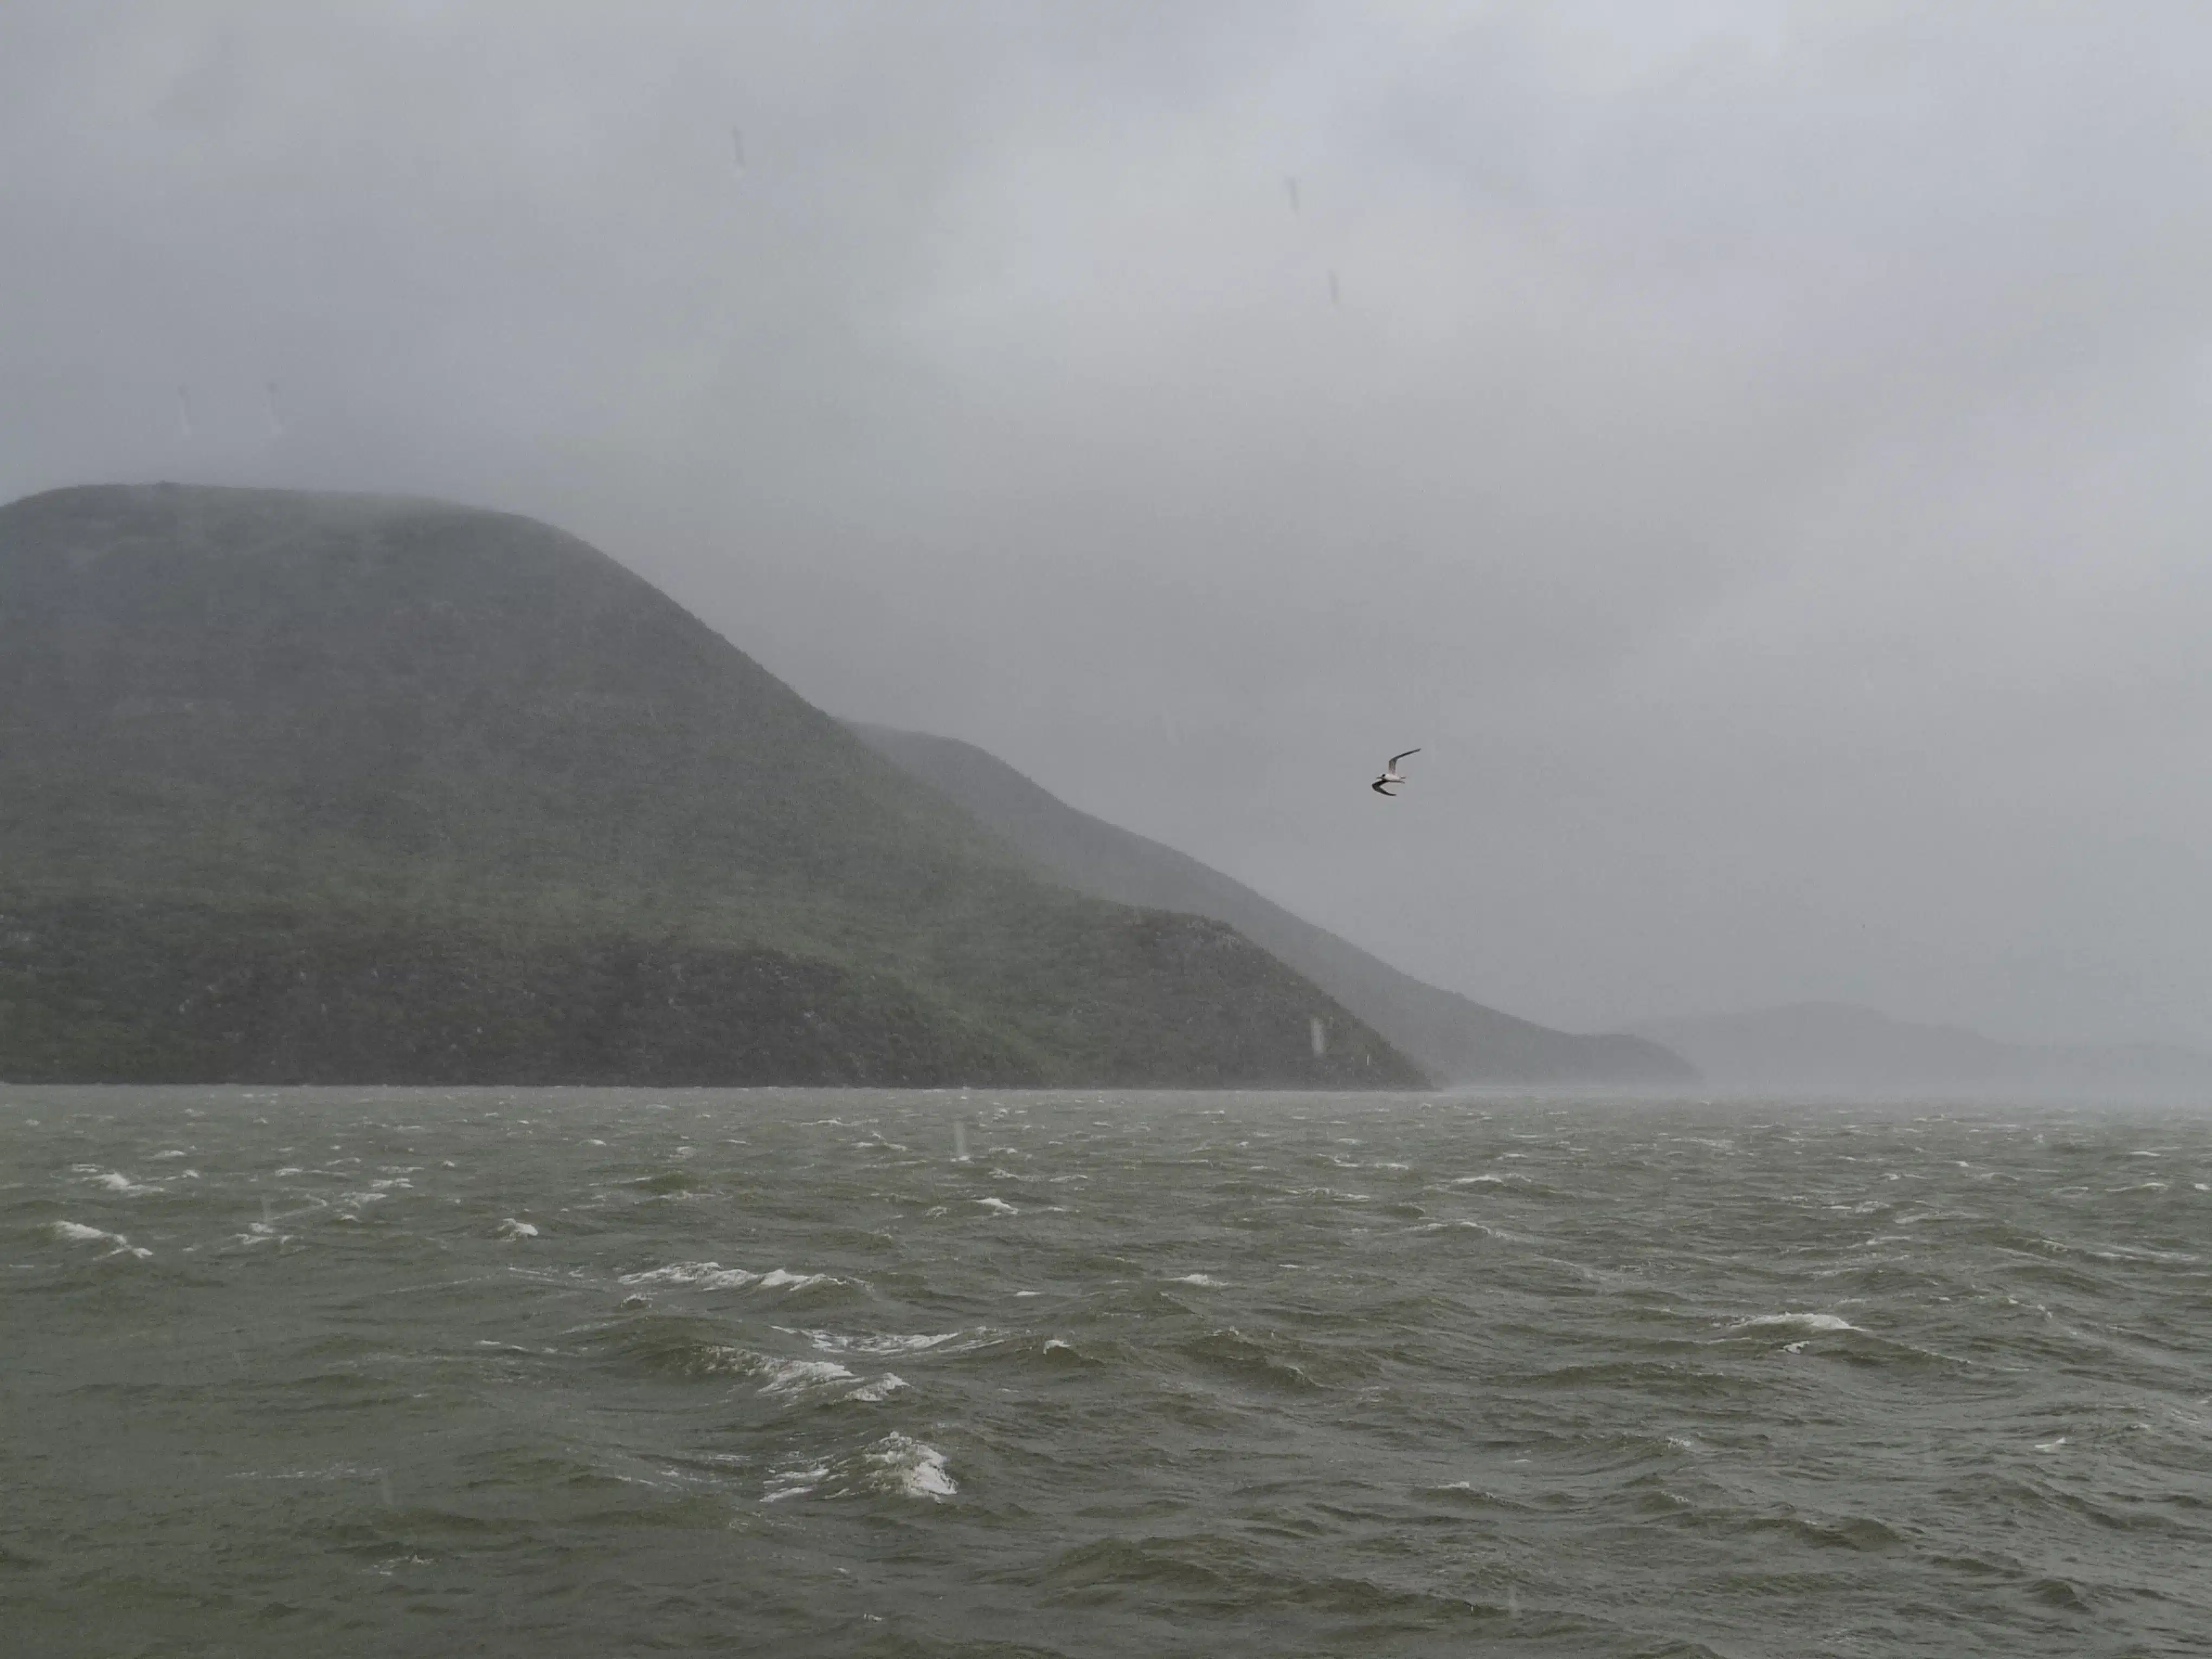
(342,788)
(1454,1039)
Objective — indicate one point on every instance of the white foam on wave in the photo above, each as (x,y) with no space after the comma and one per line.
(1197,1279)
(998,1207)
(699,1275)
(2134,1253)
(714,1276)
(795,1481)
(782,1279)
(798,1376)
(1794,1321)
(911,1468)
(511,1228)
(120,1184)
(76,1232)
(833,1342)
(882,1389)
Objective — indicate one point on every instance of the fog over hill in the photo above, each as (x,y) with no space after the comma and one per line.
(1455,1039)
(1842,1048)
(348,789)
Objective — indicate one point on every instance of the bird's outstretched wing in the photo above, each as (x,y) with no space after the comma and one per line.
(1377,787)
(1394,759)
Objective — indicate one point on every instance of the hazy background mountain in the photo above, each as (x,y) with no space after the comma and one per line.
(351,788)
(1454,1039)
(1754,446)
(1832,1047)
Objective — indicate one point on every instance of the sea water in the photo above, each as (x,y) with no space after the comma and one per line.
(581,1373)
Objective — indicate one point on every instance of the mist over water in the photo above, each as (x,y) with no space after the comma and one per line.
(582,1372)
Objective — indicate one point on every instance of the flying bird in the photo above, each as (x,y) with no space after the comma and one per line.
(1391,776)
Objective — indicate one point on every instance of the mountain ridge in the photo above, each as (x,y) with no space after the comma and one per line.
(281,773)
(1457,1039)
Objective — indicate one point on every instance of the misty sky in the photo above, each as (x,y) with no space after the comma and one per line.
(1758,451)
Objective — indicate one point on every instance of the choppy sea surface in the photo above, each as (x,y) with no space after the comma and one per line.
(580,1372)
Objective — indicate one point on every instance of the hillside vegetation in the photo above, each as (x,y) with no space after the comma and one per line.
(313,787)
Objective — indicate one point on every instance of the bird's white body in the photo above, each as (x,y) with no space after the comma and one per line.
(1391,775)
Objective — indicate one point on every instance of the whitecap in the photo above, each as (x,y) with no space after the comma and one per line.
(912,1468)
(704,1275)
(998,1207)
(2053,1445)
(796,1376)
(882,1389)
(795,1482)
(832,1342)
(121,1183)
(76,1232)
(1197,1279)
(780,1279)
(511,1228)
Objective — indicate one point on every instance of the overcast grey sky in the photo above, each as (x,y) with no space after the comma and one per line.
(1756,450)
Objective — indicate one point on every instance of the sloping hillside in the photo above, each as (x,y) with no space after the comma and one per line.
(1455,1039)
(336,787)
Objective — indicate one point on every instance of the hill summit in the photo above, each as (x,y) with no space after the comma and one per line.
(310,787)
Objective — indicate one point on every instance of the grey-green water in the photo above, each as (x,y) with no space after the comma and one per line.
(558,1373)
